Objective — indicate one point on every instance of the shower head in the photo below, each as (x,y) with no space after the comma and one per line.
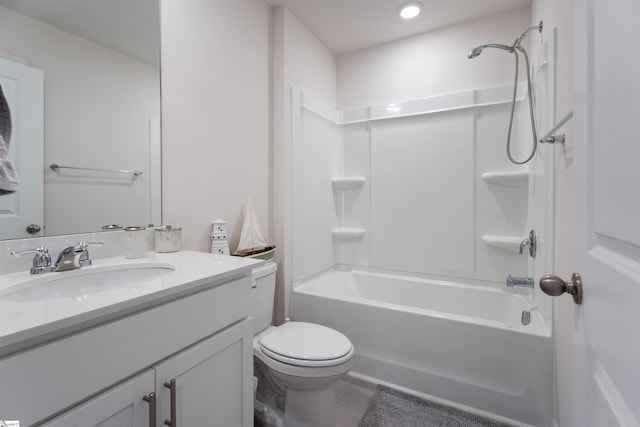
(478,50)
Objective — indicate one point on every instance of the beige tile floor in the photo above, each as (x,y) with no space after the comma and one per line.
(352,399)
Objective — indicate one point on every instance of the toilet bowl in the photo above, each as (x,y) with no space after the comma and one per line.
(297,364)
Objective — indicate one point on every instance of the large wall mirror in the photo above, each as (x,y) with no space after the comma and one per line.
(82,79)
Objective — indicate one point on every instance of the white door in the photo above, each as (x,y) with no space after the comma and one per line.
(607,212)
(24,90)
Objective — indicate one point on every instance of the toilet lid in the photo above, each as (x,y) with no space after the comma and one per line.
(306,344)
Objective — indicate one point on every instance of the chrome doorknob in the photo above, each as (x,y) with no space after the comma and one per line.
(554,286)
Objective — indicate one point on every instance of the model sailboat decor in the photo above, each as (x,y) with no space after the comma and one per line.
(252,243)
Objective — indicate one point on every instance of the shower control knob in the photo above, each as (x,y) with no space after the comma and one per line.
(554,286)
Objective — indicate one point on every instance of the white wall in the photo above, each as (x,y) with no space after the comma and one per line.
(299,60)
(308,64)
(434,63)
(215,110)
(97,109)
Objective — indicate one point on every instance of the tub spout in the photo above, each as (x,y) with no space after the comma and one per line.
(519,281)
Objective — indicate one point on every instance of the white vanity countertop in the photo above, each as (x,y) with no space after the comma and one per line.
(30,321)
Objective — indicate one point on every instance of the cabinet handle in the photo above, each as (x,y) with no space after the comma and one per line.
(151,398)
(171,385)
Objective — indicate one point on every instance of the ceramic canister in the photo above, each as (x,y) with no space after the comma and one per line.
(168,239)
(135,242)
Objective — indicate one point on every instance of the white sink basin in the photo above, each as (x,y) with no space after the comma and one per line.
(77,284)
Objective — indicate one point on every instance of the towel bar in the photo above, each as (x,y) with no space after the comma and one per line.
(55,166)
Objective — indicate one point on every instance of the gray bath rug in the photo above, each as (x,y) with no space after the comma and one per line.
(393,408)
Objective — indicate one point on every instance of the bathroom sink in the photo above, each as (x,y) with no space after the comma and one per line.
(78,284)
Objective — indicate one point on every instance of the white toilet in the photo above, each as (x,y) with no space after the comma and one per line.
(297,363)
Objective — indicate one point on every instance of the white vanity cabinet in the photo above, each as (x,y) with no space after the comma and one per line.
(204,385)
(97,372)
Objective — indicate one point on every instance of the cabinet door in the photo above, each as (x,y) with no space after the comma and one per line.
(121,406)
(212,381)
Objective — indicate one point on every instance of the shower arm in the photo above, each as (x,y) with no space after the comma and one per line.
(515,46)
(516,42)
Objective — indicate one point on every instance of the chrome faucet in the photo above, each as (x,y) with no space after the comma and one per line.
(70,258)
(519,281)
(73,257)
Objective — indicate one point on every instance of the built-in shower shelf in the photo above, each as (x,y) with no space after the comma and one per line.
(347,182)
(343,233)
(507,243)
(512,179)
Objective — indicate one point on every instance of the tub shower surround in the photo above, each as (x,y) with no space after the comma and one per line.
(406,220)
(413,186)
(421,186)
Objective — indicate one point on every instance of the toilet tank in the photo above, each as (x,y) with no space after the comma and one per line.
(262,295)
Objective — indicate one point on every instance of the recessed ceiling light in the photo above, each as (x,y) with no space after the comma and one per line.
(410,9)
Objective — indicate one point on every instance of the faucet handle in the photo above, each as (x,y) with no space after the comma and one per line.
(38,250)
(83,247)
(41,260)
(531,243)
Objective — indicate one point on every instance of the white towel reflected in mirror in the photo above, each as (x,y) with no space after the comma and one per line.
(8,175)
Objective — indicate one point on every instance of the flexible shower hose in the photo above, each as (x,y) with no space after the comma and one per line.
(513,107)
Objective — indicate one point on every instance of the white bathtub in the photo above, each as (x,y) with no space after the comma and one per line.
(464,344)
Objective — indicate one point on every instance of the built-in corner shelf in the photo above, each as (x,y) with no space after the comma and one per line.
(347,182)
(507,243)
(348,233)
(511,179)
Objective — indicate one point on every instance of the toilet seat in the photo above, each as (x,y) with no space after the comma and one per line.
(306,345)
